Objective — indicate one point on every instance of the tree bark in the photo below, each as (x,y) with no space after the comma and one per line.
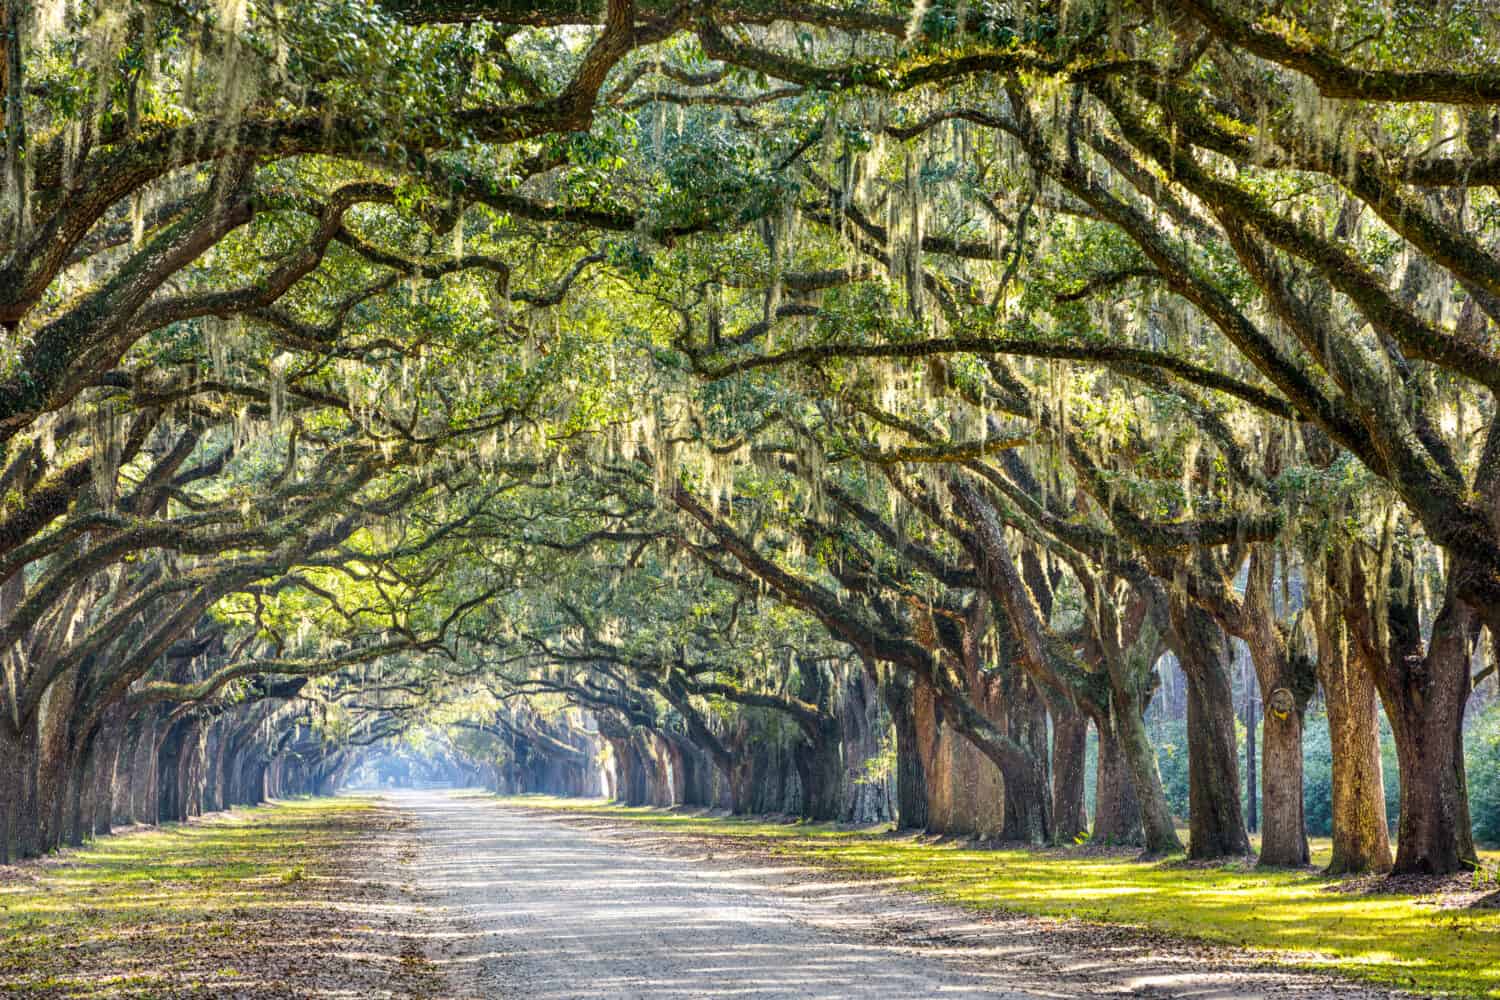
(53,722)
(143,807)
(698,778)
(1028,791)
(672,755)
(190,768)
(120,811)
(1117,811)
(1434,835)
(1284,829)
(1425,689)
(818,755)
(1216,823)
(820,768)
(1286,683)
(1157,825)
(1361,833)
(255,778)
(1129,664)
(1070,732)
(20,820)
(911,777)
(1252,770)
(168,803)
(105,777)
(867,797)
(78,783)
(966,791)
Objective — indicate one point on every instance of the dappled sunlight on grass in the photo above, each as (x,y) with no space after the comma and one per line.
(215,906)
(1294,915)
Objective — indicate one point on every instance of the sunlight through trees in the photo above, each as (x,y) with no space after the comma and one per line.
(864,412)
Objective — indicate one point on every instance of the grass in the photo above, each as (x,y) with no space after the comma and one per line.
(1291,917)
(233,902)
(257,901)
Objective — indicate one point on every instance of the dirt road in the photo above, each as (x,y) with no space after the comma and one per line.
(521,905)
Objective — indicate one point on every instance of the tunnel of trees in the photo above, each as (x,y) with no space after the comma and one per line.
(1029,419)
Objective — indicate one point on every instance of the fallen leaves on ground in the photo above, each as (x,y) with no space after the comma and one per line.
(297,899)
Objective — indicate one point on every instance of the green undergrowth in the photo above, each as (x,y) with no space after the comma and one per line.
(1429,944)
(183,910)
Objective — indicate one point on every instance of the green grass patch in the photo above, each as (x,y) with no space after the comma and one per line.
(169,911)
(1293,917)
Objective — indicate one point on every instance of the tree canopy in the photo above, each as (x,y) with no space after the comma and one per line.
(783,396)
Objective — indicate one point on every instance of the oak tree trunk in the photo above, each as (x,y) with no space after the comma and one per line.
(1433,835)
(1216,823)
(1117,811)
(105,777)
(1283,826)
(1070,732)
(1286,680)
(1361,834)
(1252,767)
(20,819)
(911,779)
(820,768)
(1028,790)
(1425,688)
(1158,828)
(54,753)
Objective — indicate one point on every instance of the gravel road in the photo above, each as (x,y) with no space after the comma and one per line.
(521,905)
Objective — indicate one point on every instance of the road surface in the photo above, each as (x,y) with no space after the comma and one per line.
(519,905)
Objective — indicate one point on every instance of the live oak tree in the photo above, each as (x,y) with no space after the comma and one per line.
(744,369)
